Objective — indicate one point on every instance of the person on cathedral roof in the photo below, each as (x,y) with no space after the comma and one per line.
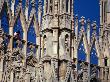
(17,35)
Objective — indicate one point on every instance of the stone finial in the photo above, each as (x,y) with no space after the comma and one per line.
(82,21)
(40,3)
(94,25)
(76,19)
(26,9)
(88,31)
(20,1)
(88,21)
(12,6)
(27,3)
(76,16)
(33,3)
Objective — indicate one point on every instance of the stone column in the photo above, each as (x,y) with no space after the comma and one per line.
(38,48)
(42,44)
(41,74)
(61,6)
(48,7)
(11,39)
(101,72)
(25,46)
(45,7)
(54,66)
(39,13)
(85,74)
(109,70)
(69,6)
(64,2)
(55,42)
(106,74)
(108,12)
(100,12)
(76,27)
(72,28)
(12,7)
(12,76)
(88,31)
(27,77)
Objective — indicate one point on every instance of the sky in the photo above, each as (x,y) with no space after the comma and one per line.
(87,8)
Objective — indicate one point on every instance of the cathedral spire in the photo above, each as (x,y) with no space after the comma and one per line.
(33,3)
(39,12)
(94,25)
(26,9)
(88,31)
(12,6)
(76,26)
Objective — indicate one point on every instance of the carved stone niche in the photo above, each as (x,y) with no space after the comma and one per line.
(17,55)
(7,56)
(31,60)
(47,68)
(62,69)
(83,71)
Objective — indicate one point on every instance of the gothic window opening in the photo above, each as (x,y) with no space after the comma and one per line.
(67,1)
(5,19)
(44,44)
(71,6)
(106,61)
(63,5)
(51,4)
(102,11)
(18,33)
(67,42)
(93,56)
(81,52)
(51,8)
(105,11)
(46,6)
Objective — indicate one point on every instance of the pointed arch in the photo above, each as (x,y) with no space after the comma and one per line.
(5,18)
(5,4)
(18,27)
(33,19)
(82,37)
(95,53)
(20,15)
(95,43)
